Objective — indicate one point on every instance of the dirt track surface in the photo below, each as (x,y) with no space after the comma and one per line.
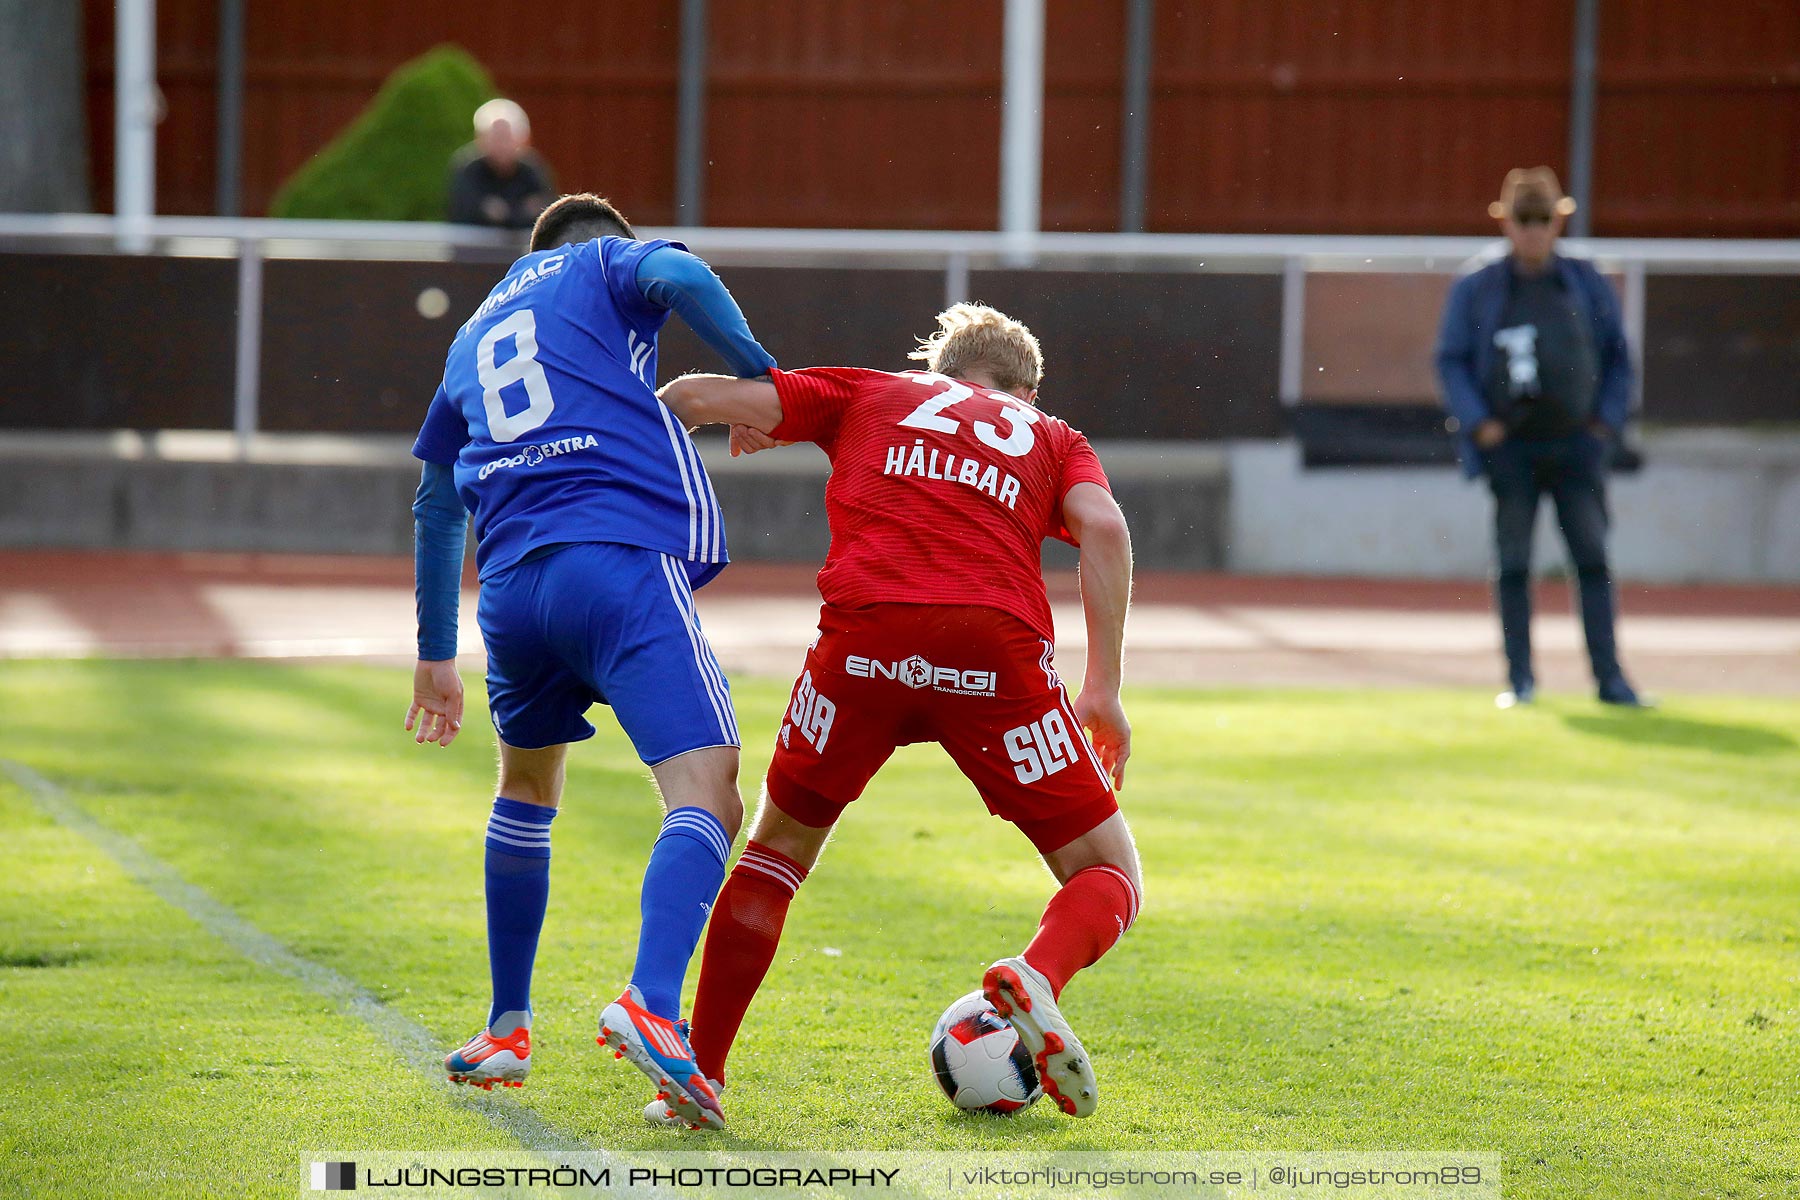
(1204,630)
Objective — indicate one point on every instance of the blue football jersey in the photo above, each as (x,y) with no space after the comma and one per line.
(548,413)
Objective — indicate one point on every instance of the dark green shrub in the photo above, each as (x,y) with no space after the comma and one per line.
(391,163)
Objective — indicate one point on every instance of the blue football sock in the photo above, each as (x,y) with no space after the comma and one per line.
(687,865)
(518,888)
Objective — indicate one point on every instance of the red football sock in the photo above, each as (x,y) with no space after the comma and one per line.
(740,945)
(1082,921)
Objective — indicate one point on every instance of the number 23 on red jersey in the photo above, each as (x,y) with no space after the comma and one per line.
(931,415)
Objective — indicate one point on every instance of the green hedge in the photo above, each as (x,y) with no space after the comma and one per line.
(392,162)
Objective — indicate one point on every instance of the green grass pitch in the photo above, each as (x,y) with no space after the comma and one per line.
(1373,921)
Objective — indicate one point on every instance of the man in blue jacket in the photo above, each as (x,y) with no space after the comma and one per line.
(1537,378)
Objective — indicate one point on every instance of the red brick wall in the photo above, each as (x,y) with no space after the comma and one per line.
(1393,116)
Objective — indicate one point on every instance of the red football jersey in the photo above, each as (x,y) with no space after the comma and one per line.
(941,492)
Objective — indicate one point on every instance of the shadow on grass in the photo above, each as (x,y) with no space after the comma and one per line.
(1661,729)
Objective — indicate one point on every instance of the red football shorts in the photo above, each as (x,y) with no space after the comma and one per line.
(975,680)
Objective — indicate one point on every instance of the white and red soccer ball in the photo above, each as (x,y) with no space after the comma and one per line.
(978,1060)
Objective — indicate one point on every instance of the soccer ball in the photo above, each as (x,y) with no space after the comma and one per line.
(978,1059)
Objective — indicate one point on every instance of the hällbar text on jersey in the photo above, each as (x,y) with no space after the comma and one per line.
(917,460)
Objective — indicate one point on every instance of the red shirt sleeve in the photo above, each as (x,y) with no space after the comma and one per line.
(1080,465)
(813,401)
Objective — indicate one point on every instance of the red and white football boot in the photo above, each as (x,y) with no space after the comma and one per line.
(1022,997)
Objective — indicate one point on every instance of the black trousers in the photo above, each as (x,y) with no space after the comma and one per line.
(1572,471)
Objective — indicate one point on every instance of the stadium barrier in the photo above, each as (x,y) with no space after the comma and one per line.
(336,495)
(1714,506)
(1188,358)
(325,326)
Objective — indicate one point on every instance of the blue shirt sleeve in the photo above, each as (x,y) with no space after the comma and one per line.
(619,258)
(671,278)
(444,433)
(440,525)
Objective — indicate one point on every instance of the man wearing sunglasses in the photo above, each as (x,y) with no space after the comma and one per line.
(1537,378)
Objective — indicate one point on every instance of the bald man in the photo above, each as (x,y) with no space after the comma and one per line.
(497,180)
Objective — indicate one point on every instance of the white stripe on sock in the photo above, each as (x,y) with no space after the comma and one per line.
(707,827)
(711,833)
(778,864)
(513,835)
(519,826)
(774,870)
(713,840)
(511,841)
(542,827)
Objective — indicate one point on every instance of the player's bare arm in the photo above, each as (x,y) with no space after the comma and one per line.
(722,400)
(712,399)
(1093,516)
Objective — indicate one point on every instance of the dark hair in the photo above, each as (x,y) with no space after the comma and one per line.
(577,218)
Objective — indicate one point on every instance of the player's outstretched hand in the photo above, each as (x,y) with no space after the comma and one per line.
(437,703)
(745,440)
(1103,716)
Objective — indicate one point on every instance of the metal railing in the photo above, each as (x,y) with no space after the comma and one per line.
(956,253)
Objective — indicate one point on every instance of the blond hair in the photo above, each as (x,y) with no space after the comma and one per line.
(973,336)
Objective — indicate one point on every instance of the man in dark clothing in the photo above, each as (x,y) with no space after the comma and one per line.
(1537,378)
(497,180)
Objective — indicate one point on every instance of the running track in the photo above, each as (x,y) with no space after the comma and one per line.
(1206,630)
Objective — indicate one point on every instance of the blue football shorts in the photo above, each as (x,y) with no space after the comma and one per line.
(601,622)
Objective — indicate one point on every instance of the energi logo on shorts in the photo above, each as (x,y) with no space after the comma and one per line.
(531,456)
(915,672)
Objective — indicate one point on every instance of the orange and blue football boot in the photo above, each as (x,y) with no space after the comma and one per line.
(485,1060)
(659,1048)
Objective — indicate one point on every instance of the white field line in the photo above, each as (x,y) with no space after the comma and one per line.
(416,1046)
